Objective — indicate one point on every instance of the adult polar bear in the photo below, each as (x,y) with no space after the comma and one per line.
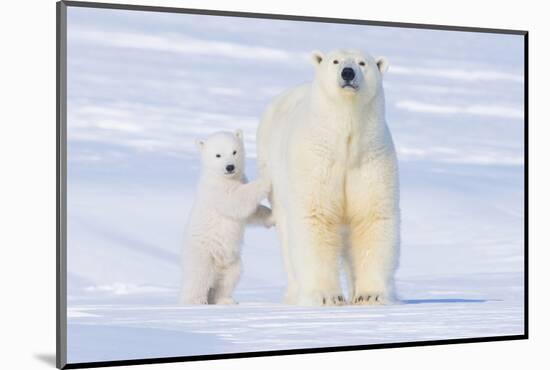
(330,156)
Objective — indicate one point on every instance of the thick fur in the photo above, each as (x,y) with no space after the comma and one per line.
(224,204)
(335,199)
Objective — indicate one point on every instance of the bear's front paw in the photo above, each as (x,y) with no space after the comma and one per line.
(226,301)
(321,299)
(371,298)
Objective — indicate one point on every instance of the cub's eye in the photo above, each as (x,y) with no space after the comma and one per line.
(218,155)
(362,64)
(335,61)
(234,152)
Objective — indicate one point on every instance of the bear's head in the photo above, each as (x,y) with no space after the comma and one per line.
(222,154)
(349,73)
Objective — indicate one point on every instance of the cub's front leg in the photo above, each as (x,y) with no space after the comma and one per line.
(262,216)
(243,201)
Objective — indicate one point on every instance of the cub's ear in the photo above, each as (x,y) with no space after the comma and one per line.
(317,57)
(239,134)
(382,64)
(199,144)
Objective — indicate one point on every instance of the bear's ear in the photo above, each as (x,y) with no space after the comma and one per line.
(199,143)
(382,64)
(316,57)
(239,134)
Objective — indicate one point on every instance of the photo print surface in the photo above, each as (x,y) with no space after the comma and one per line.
(144,88)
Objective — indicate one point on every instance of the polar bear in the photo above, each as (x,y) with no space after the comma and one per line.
(224,204)
(335,197)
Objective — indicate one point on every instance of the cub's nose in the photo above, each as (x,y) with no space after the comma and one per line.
(230,168)
(348,74)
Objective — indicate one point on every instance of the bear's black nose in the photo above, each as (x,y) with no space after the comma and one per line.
(229,168)
(348,74)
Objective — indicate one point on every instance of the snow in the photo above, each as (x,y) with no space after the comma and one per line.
(258,324)
(142,86)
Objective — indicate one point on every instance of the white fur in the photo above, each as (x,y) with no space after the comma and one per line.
(331,159)
(224,204)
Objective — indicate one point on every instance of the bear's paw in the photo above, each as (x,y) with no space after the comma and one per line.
(322,299)
(226,301)
(371,299)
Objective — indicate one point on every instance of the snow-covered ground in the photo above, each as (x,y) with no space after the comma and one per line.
(143,86)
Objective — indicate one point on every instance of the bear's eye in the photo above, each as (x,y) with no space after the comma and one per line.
(218,155)
(362,64)
(234,152)
(335,61)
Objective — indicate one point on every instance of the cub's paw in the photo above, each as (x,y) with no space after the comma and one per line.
(226,301)
(322,299)
(194,301)
(269,221)
(265,216)
(371,298)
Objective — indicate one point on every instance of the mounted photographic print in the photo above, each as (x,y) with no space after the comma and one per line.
(236,184)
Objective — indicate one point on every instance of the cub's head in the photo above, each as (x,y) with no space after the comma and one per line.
(222,154)
(349,73)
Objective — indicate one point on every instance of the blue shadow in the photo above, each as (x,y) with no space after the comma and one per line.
(445,300)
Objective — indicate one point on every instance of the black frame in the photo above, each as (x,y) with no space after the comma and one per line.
(61,195)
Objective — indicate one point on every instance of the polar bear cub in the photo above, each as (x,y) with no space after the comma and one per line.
(224,204)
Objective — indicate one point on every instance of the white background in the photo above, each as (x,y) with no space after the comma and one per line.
(28,187)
